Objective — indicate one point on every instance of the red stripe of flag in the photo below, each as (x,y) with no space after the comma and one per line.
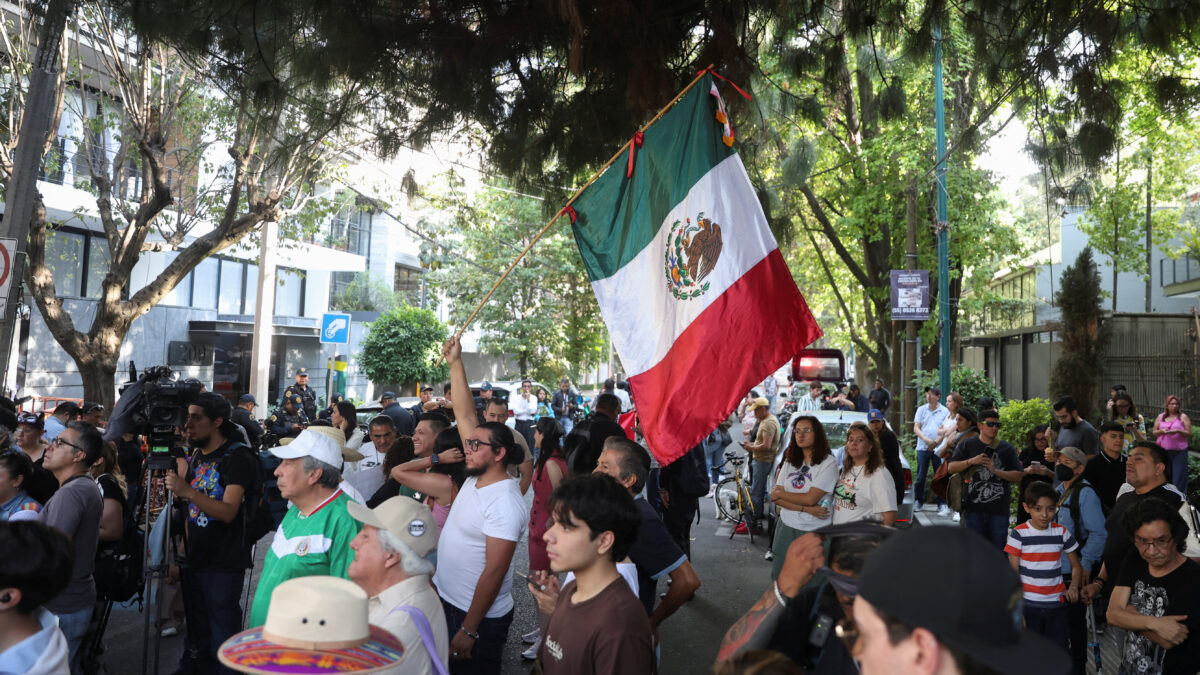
(756,325)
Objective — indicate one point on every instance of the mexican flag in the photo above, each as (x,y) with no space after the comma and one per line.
(695,293)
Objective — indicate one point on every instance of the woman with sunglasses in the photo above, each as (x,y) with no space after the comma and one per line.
(803,486)
(28,437)
(15,472)
(1172,431)
(864,490)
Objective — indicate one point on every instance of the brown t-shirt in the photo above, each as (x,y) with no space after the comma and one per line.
(768,437)
(608,633)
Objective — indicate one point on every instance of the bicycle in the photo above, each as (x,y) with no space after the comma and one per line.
(733,496)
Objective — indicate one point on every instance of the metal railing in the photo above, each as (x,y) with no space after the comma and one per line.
(1178,270)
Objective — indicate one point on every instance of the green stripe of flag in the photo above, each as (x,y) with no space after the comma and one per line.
(618,217)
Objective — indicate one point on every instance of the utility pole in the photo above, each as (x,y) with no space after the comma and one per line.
(1149,251)
(943,224)
(21,195)
(910,354)
(264,316)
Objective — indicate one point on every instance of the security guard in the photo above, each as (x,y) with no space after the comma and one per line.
(308,397)
(243,415)
(327,413)
(289,420)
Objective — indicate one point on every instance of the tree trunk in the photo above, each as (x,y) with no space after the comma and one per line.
(1149,251)
(99,375)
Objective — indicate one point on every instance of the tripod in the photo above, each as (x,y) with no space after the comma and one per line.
(158,500)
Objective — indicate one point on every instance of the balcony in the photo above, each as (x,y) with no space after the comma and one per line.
(1179,276)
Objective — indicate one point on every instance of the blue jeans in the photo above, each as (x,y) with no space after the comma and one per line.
(567,425)
(485,657)
(1178,461)
(74,626)
(760,471)
(992,528)
(212,604)
(1050,623)
(926,460)
(715,454)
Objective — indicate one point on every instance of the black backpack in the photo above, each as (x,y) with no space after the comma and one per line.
(256,505)
(118,568)
(691,477)
(1076,515)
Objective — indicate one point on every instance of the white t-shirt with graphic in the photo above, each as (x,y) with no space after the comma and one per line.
(863,497)
(801,479)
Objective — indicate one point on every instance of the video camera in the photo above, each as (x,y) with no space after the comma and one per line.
(154,406)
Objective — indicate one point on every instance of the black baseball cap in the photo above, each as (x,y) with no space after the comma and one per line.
(974,602)
(426,388)
(90,407)
(936,390)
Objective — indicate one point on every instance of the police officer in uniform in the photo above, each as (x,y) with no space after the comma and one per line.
(289,420)
(243,416)
(308,397)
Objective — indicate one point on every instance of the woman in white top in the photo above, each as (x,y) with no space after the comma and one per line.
(954,403)
(345,417)
(865,490)
(806,475)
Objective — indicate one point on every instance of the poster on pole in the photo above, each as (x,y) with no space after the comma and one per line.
(8,259)
(910,295)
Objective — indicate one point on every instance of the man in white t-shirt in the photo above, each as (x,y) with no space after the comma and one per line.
(927,426)
(524,407)
(479,538)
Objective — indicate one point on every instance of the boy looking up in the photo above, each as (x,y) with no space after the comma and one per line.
(1035,549)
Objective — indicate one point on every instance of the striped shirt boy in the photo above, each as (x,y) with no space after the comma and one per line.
(1040,553)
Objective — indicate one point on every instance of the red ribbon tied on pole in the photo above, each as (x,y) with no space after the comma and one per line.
(570,211)
(635,142)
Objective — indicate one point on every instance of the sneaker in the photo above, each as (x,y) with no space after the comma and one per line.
(532,636)
(957,516)
(169,631)
(532,653)
(944,511)
(768,555)
(741,528)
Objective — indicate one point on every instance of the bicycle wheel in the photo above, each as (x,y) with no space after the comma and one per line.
(726,496)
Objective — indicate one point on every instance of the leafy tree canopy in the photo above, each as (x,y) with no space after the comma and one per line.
(402,346)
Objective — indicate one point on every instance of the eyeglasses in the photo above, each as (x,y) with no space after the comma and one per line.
(58,441)
(995,425)
(1162,543)
(474,444)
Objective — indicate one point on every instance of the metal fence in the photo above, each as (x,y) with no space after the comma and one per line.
(1150,379)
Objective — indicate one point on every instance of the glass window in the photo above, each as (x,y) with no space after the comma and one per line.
(408,284)
(251,287)
(288,293)
(229,300)
(204,284)
(179,295)
(64,257)
(98,258)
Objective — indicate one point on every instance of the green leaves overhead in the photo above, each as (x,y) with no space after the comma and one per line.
(402,347)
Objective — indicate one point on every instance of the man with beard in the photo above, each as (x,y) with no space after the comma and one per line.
(220,473)
(1076,432)
(486,521)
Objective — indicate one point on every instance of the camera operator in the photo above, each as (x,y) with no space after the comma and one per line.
(220,472)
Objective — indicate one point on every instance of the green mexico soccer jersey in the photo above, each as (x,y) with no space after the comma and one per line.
(316,544)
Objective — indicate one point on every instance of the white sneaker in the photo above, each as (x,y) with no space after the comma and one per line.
(531,638)
(769,555)
(945,511)
(957,517)
(532,653)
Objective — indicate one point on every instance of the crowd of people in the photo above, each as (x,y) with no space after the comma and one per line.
(398,541)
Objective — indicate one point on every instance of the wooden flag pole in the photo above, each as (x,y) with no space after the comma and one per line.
(575,196)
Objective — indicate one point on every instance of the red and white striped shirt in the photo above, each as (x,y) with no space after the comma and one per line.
(1040,568)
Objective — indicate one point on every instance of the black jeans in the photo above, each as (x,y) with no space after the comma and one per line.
(678,518)
(489,648)
(212,604)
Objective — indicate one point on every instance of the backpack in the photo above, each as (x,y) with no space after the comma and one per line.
(118,568)
(1073,508)
(256,505)
(692,478)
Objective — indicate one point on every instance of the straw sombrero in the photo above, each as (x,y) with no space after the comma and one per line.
(315,625)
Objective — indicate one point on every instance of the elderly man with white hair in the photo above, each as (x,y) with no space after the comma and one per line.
(391,564)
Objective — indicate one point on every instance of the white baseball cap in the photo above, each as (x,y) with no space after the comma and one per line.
(311,444)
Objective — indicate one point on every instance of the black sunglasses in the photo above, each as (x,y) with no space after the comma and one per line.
(992,424)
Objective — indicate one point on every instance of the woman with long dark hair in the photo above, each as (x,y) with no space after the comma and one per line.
(1125,413)
(1034,454)
(345,417)
(865,490)
(1172,432)
(807,474)
(549,471)
(438,476)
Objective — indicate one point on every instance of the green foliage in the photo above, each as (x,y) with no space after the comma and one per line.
(1080,363)
(1017,418)
(364,294)
(402,346)
(971,383)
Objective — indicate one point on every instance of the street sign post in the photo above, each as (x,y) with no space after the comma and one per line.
(335,328)
(8,259)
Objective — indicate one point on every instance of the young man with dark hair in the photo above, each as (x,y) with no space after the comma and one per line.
(1075,432)
(597,626)
(75,511)
(1106,470)
(992,464)
(654,551)
(429,425)
(486,521)
(221,472)
(497,411)
(1157,594)
(30,639)
(64,413)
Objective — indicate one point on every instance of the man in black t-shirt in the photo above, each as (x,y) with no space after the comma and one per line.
(1157,595)
(220,474)
(891,450)
(987,494)
(1106,469)
(654,552)
(880,398)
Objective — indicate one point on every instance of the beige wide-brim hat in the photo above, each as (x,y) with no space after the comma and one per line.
(338,437)
(315,625)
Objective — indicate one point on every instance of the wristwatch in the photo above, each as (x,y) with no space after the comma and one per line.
(433,459)
(473,636)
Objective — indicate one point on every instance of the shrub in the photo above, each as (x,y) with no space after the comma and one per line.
(972,383)
(403,346)
(1018,417)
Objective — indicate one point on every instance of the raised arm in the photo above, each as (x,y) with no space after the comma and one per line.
(460,392)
